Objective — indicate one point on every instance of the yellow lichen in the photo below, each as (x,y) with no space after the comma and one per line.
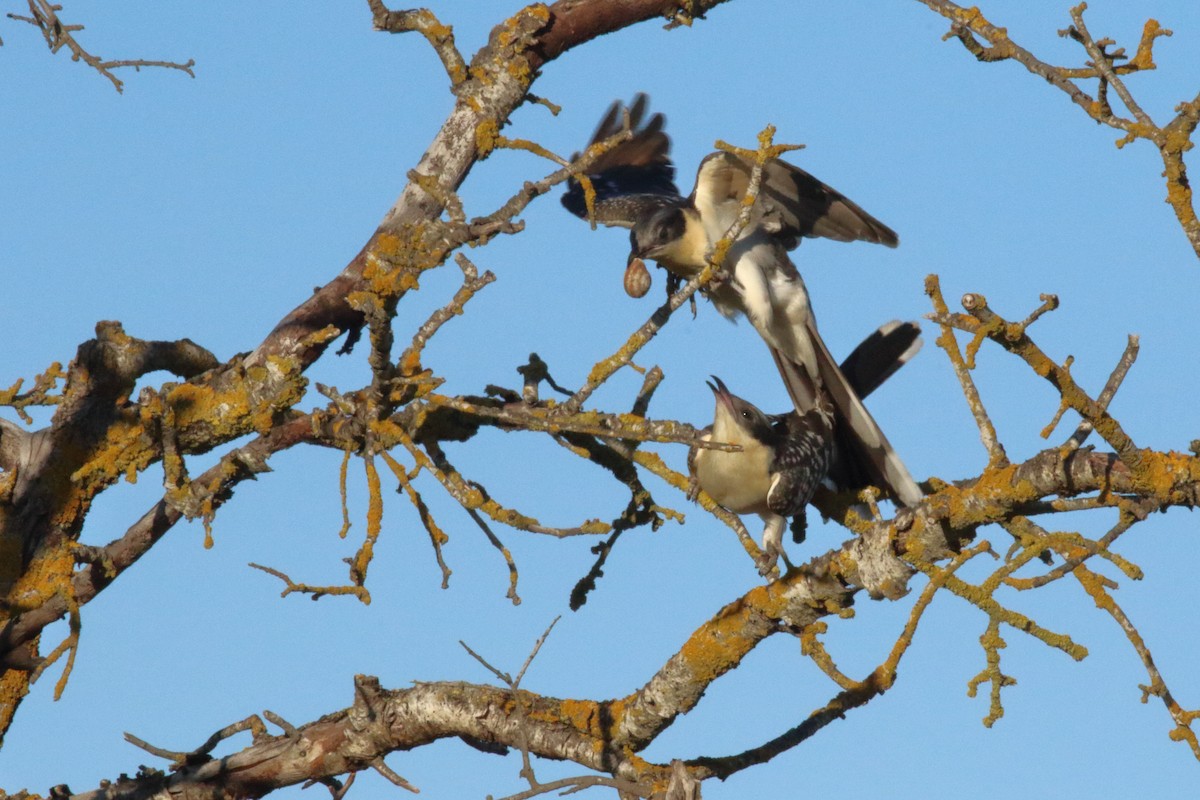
(486,135)
(583,715)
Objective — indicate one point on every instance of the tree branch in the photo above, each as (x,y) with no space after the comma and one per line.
(43,15)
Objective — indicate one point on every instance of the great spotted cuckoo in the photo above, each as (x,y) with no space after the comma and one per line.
(785,457)
(634,188)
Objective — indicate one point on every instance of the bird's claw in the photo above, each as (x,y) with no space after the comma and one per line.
(767,565)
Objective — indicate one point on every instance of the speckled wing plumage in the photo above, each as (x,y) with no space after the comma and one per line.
(634,178)
(791,204)
(802,460)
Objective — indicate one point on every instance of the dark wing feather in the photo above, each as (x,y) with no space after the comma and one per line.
(879,356)
(622,210)
(875,360)
(802,463)
(863,455)
(635,177)
(792,203)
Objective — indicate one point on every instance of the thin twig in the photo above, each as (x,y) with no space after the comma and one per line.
(1104,601)
(1110,389)
(383,769)
(317,592)
(43,15)
(1172,140)
(987,431)
(494,540)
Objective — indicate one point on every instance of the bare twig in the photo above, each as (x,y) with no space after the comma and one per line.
(409,362)
(494,540)
(252,723)
(1172,140)
(1106,395)
(987,431)
(565,786)
(1183,730)
(394,777)
(43,15)
(516,684)
(317,592)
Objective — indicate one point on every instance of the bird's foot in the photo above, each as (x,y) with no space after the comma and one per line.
(719,278)
(767,564)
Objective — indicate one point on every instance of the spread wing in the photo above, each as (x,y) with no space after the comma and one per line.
(791,204)
(635,177)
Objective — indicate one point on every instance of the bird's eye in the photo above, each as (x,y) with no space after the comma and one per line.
(745,415)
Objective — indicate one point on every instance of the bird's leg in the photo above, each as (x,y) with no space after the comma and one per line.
(772,543)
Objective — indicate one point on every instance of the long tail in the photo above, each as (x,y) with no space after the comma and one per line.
(865,456)
(879,355)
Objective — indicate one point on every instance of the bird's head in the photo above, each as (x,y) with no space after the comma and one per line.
(736,420)
(654,235)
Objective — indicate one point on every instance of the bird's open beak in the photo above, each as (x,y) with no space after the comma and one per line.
(724,397)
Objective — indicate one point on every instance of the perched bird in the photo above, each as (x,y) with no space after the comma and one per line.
(785,457)
(634,185)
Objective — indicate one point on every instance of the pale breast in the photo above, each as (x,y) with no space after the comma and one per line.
(738,481)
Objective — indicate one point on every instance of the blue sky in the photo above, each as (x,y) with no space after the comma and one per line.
(208,208)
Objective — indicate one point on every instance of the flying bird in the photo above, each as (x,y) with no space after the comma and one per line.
(785,457)
(634,188)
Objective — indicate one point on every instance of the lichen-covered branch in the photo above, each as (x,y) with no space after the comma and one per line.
(1094,585)
(1172,140)
(983,322)
(599,736)
(987,431)
(423,21)
(206,492)
(98,435)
